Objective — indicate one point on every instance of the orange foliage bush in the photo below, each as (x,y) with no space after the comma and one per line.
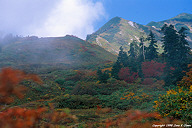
(17,117)
(138,119)
(20,117)
(187,80)
(101,110)
(9,84)
(27,118)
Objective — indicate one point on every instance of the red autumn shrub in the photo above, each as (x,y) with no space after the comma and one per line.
(138,119)
(127,75)
(187,79)
(20,117)
(152,69)
(9,84)
(148,81)
(10,87)
(17,117)
(33,118)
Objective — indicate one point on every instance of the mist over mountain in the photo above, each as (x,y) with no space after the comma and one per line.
(53,51)
(71,50)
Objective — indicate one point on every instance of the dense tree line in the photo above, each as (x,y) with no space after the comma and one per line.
(173,60)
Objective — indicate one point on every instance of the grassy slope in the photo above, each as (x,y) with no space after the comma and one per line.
(52,92)
(55,52)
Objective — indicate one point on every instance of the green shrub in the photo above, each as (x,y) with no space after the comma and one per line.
(114,100)
(76,101)
(135,97)
(176,103)
(69,83)
(83,88)
(76,77)
(92,88)
(111,86)
(60,81)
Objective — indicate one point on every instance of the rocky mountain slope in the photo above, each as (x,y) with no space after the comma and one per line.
(120,32)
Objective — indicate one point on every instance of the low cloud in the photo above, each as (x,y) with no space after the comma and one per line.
(50,18)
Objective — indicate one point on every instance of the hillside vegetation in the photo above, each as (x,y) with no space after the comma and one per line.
(68,82)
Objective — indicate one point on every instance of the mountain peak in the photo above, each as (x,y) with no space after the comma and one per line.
(114,20)
(110,24)
(184,17)
(184,14)
(116,17)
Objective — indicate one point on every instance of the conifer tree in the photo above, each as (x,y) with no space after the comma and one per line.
(133,53)
(152,49)
(170,45)
(115,69)
(176,50)
(142,50)
(183,47)
(122,61)
(123,57)
(133,50)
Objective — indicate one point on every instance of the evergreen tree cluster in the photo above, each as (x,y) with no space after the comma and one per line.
(151,52)
(176,54)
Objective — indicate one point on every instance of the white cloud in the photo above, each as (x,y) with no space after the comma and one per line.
(17,16)
(45,18)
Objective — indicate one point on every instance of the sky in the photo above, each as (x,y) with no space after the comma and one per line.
(45,18)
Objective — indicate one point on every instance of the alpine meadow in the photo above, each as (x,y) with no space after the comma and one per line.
(123,74)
